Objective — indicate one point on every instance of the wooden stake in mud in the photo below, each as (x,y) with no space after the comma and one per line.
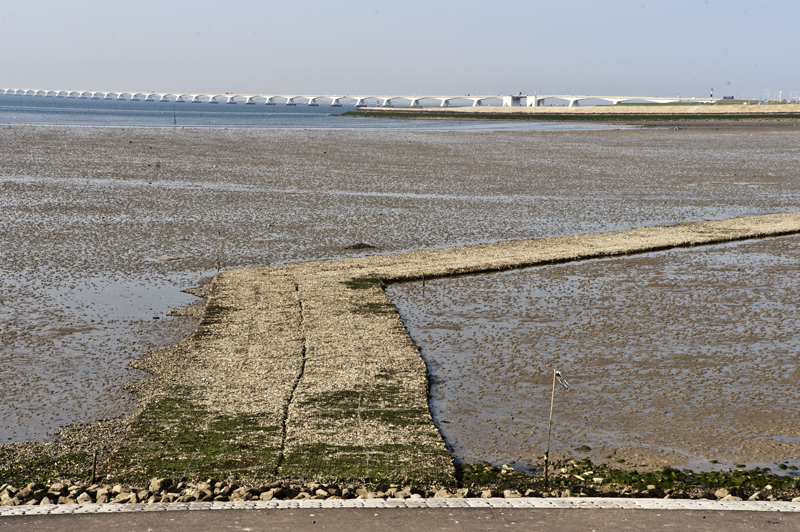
(556,375)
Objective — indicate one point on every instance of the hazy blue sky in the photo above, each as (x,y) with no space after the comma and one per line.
(435,47)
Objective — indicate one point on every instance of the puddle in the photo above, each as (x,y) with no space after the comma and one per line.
(67,343)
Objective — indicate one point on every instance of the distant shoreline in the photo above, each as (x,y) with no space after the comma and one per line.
(611,113)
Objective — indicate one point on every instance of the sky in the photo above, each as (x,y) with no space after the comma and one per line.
(613,47)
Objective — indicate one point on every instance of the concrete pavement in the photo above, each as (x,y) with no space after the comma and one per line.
(575,514)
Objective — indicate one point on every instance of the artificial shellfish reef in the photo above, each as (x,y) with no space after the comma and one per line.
(305,370)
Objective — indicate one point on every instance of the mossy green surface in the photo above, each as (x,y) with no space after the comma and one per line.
(389,463)
(380,403)
(600,479)
(362,283)
(70,465)
(177,437)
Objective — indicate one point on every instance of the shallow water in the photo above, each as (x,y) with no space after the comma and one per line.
(42,110)
(86,210)
(67,341)
(682,356)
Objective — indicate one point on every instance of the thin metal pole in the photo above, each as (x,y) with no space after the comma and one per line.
(549,427)
(94,466)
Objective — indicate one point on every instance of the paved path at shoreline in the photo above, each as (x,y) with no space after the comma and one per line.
(421,514)
(585,503)
(348,397)
(464,520)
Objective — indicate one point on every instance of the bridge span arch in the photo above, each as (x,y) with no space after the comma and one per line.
(335,100)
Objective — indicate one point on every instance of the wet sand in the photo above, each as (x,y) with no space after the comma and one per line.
(317,353)
(88,209)
(675,358)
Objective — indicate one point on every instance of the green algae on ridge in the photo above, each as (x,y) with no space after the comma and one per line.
(362,283)
(387,463)
(177,437)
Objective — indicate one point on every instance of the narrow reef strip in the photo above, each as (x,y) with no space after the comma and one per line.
(227,401)
(630,113)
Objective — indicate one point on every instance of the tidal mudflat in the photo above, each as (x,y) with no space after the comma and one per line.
(88,211)
(306,370)
(675,358)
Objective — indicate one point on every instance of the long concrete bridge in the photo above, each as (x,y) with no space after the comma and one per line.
(361,100)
